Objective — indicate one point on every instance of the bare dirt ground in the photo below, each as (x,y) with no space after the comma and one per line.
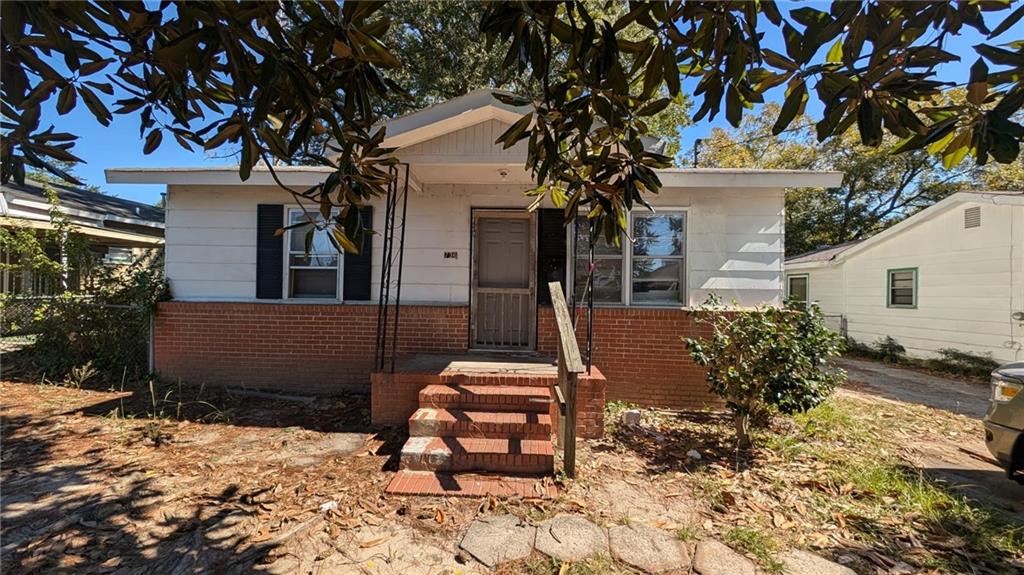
(961,459)
(185,481)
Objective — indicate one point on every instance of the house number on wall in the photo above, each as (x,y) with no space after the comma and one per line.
(451,255)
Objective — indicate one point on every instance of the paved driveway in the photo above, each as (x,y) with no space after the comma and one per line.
(913,386)
(963,461)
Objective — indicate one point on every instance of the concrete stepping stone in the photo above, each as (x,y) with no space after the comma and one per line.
(716,558)
(495,540)
(571,538)
(648,549)
(799,562)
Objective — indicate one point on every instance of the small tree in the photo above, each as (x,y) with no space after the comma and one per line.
(766,360)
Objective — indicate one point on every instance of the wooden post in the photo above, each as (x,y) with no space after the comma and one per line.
(570,365)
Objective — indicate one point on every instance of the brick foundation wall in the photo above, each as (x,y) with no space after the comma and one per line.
(640,353)
(327,348)
(300,348)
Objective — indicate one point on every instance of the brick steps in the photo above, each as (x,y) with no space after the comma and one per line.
(408,482)
(479,434)
(432,422)
(487,397)
(478,454)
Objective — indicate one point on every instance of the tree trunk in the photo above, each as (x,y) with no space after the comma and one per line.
(742,421)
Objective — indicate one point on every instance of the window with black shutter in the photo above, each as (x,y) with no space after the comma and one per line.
(269,251)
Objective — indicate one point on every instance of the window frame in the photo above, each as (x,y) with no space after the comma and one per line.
(626,298)
(807,286)
(286,276)
(888,288)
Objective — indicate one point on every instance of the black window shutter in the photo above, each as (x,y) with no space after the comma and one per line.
(358,266)
(551,252)
(269,251)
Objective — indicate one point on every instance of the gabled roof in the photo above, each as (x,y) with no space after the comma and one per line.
(97,205)
(822,254)
(444,117)
(450,115)
(837,254)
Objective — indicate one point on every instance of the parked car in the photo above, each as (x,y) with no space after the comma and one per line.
(1004,422)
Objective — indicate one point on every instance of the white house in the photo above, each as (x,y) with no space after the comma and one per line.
(713,230)
(950,276)
(251,308)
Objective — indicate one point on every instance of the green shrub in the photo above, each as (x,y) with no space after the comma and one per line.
(889,349)
(108,331)
(964,362)
(766,360)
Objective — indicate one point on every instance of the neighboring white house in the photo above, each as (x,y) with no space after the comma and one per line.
(950,276)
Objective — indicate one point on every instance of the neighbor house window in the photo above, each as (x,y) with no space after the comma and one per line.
(607,281)
(118,256)
(902,288)
(657,258)
(796,290)
(650,271)
(313,274)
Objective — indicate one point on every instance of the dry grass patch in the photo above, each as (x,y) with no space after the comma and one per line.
(840,480)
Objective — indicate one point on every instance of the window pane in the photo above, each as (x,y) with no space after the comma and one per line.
(313,283)
(601,247)
(658,235)
(902,296)
(798,289)
(607,284)
(901,288)
(321,244)
(656,279)
(328,260)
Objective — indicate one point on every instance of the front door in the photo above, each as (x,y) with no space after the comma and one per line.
(504,298)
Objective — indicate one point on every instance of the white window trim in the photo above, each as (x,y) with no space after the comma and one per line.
(807,278)
(627,263)
(287,248)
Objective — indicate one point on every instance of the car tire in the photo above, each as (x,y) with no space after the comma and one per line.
(1015,470)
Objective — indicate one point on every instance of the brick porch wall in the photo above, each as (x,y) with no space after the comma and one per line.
(640,352)
(299,348)
(317,348)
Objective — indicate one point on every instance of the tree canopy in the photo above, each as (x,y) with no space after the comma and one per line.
(271,77)
(880,187)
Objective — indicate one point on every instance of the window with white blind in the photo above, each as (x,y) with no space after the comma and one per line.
(316,274)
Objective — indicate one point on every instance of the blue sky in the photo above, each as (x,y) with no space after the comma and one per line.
(119,145)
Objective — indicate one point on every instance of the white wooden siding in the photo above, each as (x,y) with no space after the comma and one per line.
(970,282)
(211,241)
(734,236)
(476,141)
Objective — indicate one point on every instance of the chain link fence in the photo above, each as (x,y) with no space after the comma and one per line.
(62,336)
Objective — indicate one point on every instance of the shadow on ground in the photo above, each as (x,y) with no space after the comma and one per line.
(227,483)
(58,518)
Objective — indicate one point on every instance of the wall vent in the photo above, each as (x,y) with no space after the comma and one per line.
(972,217)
